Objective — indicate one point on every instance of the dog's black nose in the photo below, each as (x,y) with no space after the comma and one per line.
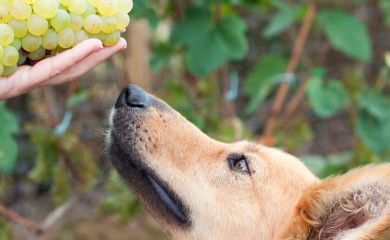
(132,96)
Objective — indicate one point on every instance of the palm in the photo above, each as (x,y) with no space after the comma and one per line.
(58,69)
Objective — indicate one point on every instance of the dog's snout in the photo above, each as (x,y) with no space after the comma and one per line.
(132,96)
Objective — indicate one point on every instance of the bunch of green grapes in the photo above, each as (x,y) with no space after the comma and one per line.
(31,30)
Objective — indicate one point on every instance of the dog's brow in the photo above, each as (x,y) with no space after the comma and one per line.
(251,147)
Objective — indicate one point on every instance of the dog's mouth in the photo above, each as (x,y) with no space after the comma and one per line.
(154,193)
(170,201)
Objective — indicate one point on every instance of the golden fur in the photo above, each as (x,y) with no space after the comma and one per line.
(280,199)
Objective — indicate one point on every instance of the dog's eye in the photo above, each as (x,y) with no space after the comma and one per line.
(238,163)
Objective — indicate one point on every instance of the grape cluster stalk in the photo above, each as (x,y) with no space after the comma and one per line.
(31,30)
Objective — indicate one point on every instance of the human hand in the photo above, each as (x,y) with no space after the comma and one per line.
(61,68)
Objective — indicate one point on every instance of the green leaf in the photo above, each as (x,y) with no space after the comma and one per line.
(209,44)
(8,121)
(193,27)
(375,104)
(372,123)
(262,78)
(8,154)
(8,145)
(316,164)
(384,5)
(144,9)
(326,98)
(281,21)
(60,188)
(78,98)
(325,166)
(160,57)
(346,34)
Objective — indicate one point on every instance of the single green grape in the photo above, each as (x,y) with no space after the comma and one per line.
(30,43)
(6,35)
(50,40)
(108,7)
(37,55)
(20,10)
(46,8)
(37,25)
(66,38)
(22,59)
(8,71)
(125,5)
(109,24)
(64,3)
(17,43)
(19,27)
(61,20)
(122,21)
(111,39)
(93,24)
(89,10)
(80,36)
(4,14)
(10,56)
(77,6)
(5,3)
(76,22)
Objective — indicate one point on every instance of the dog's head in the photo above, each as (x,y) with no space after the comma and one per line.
(195,186)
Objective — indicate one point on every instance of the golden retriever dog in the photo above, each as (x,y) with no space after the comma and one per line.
(200,188)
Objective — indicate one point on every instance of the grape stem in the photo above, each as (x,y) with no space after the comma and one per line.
(16,218)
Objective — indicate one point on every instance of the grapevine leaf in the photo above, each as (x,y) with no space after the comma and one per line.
(372,121)
(262,77)
(384,5)
(78,98)
(143,9)
(316,164)
(8,145)
(209,44)
(346,34)
(326,98)
(281,21)
(8,154)
(9,124)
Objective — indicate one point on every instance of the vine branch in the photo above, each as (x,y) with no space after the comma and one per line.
(291,69)
(300,92)
(16,218)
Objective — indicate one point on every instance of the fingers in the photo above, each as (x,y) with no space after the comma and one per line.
(51,67)
(88,63)
(13,86)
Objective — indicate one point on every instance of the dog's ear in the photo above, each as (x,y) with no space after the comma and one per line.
(351,206)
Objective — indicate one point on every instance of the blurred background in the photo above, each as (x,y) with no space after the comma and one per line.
(310,77)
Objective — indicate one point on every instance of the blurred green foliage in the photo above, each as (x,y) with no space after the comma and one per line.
(216,41)
(120,201)
(326,98)
(5,231)
(207,43)
(346,33)
(8,146)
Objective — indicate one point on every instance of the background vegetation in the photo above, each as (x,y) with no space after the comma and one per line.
(311,77)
